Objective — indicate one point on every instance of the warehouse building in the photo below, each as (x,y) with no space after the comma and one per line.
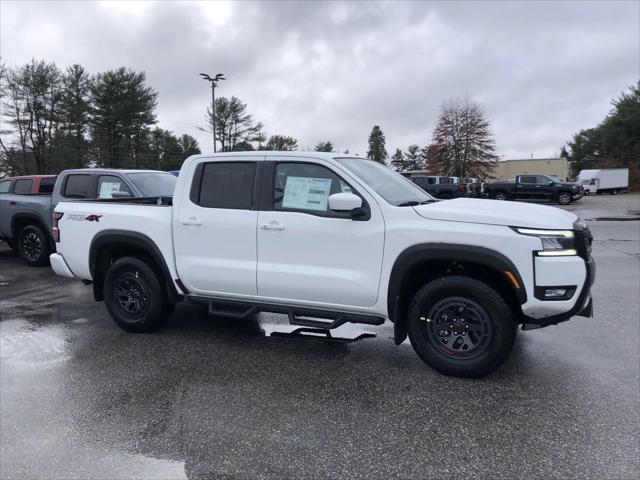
(507,169)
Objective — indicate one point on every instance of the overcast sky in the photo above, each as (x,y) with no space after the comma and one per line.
(330,71)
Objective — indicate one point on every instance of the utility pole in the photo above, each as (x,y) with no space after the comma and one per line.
(214,83)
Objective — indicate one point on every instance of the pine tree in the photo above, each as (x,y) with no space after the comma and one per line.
(377,150)
(324,147)
(71,143)
(412,158)
(123,111)
(281,143)
(398,161)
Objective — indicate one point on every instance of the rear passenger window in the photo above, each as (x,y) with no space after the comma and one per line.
(77,186)
(4,186)
(22,187)
(46,185)
(227,185)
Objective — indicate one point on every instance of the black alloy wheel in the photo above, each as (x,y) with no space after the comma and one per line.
(33,246)
(458,327)
(130,294)
(501,196)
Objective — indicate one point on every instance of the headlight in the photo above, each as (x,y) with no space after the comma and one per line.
(554,242)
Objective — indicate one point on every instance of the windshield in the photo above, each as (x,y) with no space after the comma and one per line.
(390,185)
(554,179)
(153,184)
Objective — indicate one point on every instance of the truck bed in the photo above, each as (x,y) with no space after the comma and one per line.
(83,222)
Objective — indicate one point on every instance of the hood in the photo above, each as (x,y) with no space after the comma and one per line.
(498,212)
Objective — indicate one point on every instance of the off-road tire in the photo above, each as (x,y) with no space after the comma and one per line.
(498,344)
(33,246)
(134,296)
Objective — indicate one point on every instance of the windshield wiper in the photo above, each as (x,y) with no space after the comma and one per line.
(413,203)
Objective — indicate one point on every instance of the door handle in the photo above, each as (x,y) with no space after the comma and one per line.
(192,221)
(272,226)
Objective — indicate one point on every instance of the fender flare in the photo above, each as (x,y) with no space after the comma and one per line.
(139,240)
(441,251)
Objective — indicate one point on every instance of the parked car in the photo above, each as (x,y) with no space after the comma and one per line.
(327,240)
(26,203)
(440,187)
(476,187)
(611,180)
(535,187)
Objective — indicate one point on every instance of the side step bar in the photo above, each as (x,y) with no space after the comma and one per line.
(305,317)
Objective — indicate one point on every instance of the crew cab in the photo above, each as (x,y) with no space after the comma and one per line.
(440,187)
(329,239)
(536,187)
(27,203)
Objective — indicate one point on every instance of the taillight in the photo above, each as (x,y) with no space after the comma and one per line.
(56,231)
(462,188)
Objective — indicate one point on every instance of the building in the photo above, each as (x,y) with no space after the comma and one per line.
(507,169)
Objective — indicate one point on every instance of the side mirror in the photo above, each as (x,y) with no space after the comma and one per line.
(120,195)
(344,202)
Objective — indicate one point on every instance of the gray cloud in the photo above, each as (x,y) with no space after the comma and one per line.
(329,71)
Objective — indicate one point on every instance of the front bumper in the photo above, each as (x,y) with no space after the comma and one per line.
(583,306)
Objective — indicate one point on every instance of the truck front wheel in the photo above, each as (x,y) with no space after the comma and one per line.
(461,327)
(500,196)
(134,296)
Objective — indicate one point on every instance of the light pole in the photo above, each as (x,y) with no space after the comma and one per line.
(214,83)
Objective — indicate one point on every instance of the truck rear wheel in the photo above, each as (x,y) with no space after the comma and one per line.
(461,327)
(33,246)
(134,296)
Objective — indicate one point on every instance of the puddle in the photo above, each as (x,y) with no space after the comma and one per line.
(20,343)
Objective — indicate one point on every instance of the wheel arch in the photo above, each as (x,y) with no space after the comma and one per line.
(22,220)
(424,262)
(109,245)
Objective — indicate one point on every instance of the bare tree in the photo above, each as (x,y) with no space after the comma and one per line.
(462,145)
(30,98)
(234,126)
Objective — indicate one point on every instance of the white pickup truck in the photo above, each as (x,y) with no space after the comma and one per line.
(329,239)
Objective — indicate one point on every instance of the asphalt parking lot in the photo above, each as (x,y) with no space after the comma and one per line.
(218,398)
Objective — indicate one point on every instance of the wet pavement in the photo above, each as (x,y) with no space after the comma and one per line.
(218,398)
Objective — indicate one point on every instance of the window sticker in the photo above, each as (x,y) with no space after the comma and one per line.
(306,193)
(107,188)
